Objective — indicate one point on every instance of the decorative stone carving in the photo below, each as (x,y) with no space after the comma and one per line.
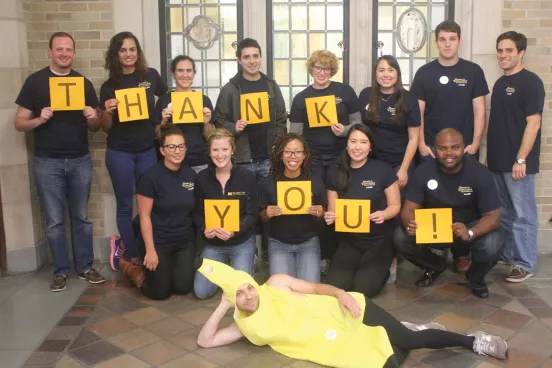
(202,32)
(411,30)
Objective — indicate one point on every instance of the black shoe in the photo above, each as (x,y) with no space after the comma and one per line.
(481,293)
(428,278)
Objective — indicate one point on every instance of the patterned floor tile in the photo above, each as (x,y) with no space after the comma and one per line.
(459,291)
(53,346)
(538,329)
(492,329)
(80,311)
(197,316)
(144,316)
(64,332)
(187,339)
(518,359)
(531,344)
(123,361)
(168,327)
(454,322)
(516,306)
(89,300)
(224,355)
(511,320)
(121,304)
(134,339)
(111,327)
(159,353)
(68,362)
(469,309)
(85,337)
(189,360)
(39,359)
(95,353)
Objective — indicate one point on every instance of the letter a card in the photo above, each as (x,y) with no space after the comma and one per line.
(254,108)
(133,104)
(67,93)
(353,215)
(187,107)
(321,111)
(434,225)
(294,197)
(223,213)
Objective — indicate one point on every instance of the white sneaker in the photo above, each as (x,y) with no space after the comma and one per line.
(392,272)
(425,326)
(485,344)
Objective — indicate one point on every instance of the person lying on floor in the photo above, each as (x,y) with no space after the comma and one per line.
(323,324)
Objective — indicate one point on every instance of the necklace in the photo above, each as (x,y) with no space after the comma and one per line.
(391,95)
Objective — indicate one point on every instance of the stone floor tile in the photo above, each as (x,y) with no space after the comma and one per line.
(121,304)
(469,309)
(144,316)
(72,321)
(134,339)
(38,359)
(168,327)
(545,312)
(516,306)
(64,332)
(459,291)
(533,302)
(391,301)
(53,346)
(546,364)
(158,353)
(91,300)
(68,362)
(189,360)
(531,344)
(176,306)
(257,360)
(304,364)
(223,355)
(406,292)
(491,329)
(494,300)
(100,314)
(538,329)
(96,353)
(518,359)
(124,361)
(80,311)
(187,339)
(511,320)
(197,316)
(85,337)
(112,327)
(414,364)
(428,307)
(455,323)
(519,291)
(496,288)
(487,365)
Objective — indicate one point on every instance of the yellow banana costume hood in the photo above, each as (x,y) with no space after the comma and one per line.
(309,327)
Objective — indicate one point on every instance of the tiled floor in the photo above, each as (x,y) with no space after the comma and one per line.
(113,325)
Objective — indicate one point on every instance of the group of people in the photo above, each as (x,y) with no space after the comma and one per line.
(369,153)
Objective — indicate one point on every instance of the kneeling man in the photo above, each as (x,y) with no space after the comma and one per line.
(466,186)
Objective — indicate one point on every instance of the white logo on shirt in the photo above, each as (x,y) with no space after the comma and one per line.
(188,185)
(444,79)
(330,334)
(432,184)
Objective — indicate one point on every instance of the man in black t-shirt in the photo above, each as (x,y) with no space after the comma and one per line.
(451,92)
(466,186)
(62,163)
(514,140)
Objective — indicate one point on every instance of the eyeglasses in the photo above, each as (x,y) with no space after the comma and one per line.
(297,154)
(319,69)
(173,147)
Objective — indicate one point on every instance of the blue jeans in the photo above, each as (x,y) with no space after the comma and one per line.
(298,260)
(261,169)
(241,257)
(59,181)
(518,219)
(124,170)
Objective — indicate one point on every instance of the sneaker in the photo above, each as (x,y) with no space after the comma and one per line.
(117,251)
(518,274)
(59,283)
(92,276)
(462,264)
(392,272)
(425,326)
(324,266)
(494,346)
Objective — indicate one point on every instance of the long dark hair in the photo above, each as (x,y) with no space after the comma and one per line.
(374,100)
(344,166)
(277,166)
(112,62)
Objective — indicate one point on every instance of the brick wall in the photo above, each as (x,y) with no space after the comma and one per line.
(534,19)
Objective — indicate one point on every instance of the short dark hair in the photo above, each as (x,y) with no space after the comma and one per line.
(448,26)
(247,42)
(167,130)
(60,35)
(518,38)
(180,58)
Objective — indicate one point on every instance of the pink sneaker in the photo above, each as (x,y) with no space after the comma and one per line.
(117,251)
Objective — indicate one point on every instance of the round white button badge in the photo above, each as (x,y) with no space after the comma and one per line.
(432,184)
(444,79)
(331,334)
(169,105)
(367,106)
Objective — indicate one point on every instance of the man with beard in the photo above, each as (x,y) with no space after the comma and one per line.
(467,187)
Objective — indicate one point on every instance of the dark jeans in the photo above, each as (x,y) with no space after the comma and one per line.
(174,273)
(328,240)
(61,181)
(362,270)
(403,340)
(124,170)
(485,252)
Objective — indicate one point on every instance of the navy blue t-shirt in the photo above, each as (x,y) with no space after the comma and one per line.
(173,202)
(470,192)
(133,136)
(448,92)
(196,146)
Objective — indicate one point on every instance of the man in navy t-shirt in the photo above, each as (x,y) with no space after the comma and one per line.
(451,92)
(514,140)
(466,186)
(62,163)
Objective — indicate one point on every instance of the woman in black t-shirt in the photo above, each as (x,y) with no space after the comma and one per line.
(362,260)
(130,145)
(293,244)
(183,70)
(166,200)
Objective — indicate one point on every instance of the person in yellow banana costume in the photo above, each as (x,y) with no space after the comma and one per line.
(322,324)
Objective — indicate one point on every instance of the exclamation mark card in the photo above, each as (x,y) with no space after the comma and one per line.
(434,225)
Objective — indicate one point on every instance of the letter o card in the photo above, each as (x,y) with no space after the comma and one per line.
(321,111)
(133,104)
(187,107)
(67,93)
(223,213)
(353,215)
(434,225)
(254,108)
(294,197)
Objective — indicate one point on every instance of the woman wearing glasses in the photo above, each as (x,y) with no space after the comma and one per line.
(293,244)
(325,142)
(166,200)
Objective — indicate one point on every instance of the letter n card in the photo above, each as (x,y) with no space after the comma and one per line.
(353,215)
(321,111)
(254,108)
(294,197)
(223,213)
(434,225)
(67,93)
(133,104)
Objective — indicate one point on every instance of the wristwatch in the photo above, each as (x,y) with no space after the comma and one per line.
(520,161)
(470,233)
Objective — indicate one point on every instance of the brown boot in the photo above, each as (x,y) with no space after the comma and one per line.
(132,272)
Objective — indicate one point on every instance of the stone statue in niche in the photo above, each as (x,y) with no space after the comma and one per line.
(411,30)
(202,32)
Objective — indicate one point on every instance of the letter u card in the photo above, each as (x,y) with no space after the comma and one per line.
(223,213)
(294,197)
(353,215)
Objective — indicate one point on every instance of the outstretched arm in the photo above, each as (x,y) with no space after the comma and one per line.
(211,336)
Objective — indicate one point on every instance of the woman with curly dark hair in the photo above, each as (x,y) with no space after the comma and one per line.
(130,145)
(293,244)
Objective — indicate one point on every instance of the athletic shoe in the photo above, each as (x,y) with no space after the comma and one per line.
(518,274)
(59,283)
(425,326)
(117,251)
(485,344)
(92,276)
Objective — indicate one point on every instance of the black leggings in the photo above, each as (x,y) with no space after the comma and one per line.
(174,273)
(403,340)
